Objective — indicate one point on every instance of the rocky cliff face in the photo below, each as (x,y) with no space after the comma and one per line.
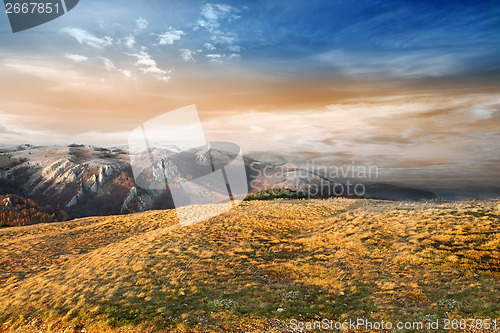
(81,180)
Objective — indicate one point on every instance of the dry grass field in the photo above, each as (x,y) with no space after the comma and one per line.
(254,268)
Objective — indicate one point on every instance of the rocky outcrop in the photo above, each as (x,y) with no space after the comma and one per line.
(7,202)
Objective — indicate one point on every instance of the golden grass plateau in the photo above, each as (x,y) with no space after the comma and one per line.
(336,259)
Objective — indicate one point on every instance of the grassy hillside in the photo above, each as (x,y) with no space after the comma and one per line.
(253,268)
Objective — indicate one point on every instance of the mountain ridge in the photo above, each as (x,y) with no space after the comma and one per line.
(86,180)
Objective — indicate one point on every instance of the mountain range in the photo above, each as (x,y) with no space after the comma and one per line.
(85,180)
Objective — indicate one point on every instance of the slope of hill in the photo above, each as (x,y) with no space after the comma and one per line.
(254,268)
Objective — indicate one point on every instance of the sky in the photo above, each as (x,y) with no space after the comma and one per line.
(411,87)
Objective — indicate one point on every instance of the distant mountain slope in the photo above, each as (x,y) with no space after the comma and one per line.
(254,268)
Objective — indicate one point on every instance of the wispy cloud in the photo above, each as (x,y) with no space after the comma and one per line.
(223,39)
(221,58)
(148,65)
(128,41)
(212,19)
(188,55)
(396,64)
(213,14)
(86,38)
(217,58)
(209,46)
(110,66)
(44,69)
(170,36)
(75,57)
(141,23)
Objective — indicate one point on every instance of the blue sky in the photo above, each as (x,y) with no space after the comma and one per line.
(385,38)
